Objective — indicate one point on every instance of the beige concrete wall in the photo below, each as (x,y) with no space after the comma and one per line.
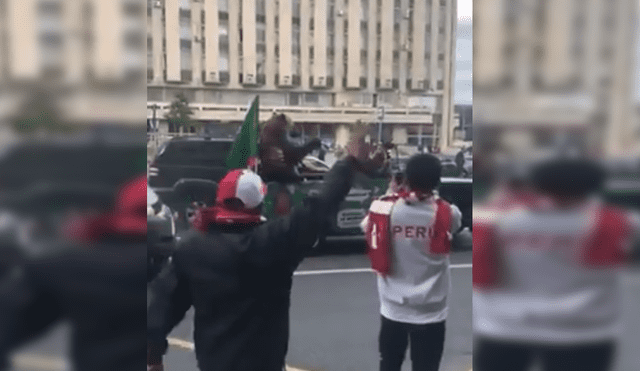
(22,31)
(558,65)
(172,39)
(435,32)
(234,40)
(212,40)
(108,48)
(157,40)
(320,43)
(270,66)
(305,42)
(197,43)
(286,63)
(386,44)
(75,57)
(488,65)
(403,47)
(249,42)
(418,62)
(338,47)
(353,47)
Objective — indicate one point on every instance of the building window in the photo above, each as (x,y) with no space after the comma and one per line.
(311,98)
(133,40)
(185,14)
(185,44)
(294,99)
(132,9)
(50,7)
(51,39)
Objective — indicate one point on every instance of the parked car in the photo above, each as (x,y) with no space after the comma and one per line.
(44,182)
(33,164)
(346,221)
(183,177)
(188,158)
(623,185)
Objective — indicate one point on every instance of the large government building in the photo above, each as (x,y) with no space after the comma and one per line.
(547,67)
(90,53)
(325,63)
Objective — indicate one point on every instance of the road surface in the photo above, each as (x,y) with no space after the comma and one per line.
(335,323)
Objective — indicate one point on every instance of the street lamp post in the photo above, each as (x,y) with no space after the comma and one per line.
(155,123)
(155,126)
(380,120)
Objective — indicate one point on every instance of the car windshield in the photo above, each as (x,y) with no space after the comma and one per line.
(195,153)
(458,193)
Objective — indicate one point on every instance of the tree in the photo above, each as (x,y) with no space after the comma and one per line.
(40,113)
(180,113)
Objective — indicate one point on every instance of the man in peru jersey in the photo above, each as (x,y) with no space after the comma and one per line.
(409,236)
(545,274)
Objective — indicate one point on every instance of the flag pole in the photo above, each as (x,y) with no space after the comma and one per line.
(256,124)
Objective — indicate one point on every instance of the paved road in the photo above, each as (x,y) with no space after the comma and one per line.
(335,318)
(335,323)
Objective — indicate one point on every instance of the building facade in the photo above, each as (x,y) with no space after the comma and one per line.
(325,63)
(548,67)
(89,52)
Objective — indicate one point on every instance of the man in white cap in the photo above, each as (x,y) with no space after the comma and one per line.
(236,270)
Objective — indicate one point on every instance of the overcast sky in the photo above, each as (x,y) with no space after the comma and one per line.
(464,54)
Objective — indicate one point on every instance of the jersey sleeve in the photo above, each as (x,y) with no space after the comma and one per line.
(456,219)
(485,250)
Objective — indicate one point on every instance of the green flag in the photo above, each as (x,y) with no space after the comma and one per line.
(246,144)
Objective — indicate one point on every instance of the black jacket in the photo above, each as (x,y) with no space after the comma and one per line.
(101,291)
(239,282)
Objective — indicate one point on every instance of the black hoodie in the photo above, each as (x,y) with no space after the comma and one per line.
(239,282)
(99,289)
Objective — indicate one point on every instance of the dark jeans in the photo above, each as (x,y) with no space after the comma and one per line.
(427,344)
(492,355)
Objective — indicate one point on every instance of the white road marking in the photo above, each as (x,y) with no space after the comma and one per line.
(189,346)
(37,362)
(181,344)
(358,270)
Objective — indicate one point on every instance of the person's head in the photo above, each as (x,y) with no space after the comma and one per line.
(423,172)
(126,222)
(568,181)
(239,198)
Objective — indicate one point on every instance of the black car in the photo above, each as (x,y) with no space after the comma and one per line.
(42,181)
(33,164)
(188,158)
(623,190)
(459,191)
(182,166)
